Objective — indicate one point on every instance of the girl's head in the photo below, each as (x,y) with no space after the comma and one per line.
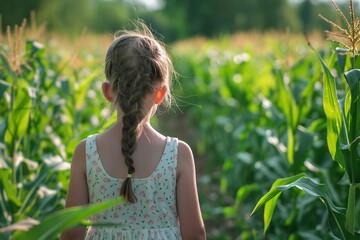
(139,73)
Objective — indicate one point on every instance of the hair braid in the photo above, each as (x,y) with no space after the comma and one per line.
(128,144)
(133,115)
(135,64)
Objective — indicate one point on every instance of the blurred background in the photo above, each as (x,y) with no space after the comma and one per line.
(173,19)
(249,101)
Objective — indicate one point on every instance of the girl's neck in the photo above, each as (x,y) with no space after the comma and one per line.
(146,128)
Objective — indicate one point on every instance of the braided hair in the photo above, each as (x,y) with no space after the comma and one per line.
(135,64)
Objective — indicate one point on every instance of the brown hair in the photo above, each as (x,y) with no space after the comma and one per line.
(135,64)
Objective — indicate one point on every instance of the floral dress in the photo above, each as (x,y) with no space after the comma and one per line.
(153,216)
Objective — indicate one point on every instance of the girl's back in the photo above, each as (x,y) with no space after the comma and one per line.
(154,215)
(146,156)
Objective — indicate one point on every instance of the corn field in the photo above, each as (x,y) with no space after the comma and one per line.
(273,123)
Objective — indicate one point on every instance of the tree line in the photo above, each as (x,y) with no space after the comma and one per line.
(175,19)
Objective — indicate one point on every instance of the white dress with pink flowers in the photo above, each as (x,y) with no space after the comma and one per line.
(153,216)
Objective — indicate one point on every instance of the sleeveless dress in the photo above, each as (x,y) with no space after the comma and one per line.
(153,216)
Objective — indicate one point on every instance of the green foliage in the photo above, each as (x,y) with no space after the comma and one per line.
(246,110)
(345,154)
(40,124)
(270,199)
(67,10)
(173,19)
(253,115)
(62,220)
(343,135)
(311,187)
(333,114)
(352,121)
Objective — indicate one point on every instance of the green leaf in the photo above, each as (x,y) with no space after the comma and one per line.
(30,195)
(287,104)
(333,114)
(18,120)
(353,122)
(341,54)
(320,190)
(10,189)
(353,78)
(83,88)
(62,220)
(309,186)
(350,210)
(290,144)
(33,47)
(6,66)
(274,191)
(309,235)
(3,86)
(269,210)
(243,191)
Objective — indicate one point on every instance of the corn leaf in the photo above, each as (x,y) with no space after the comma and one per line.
(3,87)
(308,185)
(62,220)
(350,211)
(333,114)
(315,189)
(269,211)
(341,54)
(320,190)
(18,120)
(287,104)
(9,189)
(353,121)
(6,67)
(270,198)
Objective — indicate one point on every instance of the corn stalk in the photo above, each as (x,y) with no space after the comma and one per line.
(343,134)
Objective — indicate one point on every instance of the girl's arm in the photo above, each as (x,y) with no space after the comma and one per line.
(78,190)
(191,222)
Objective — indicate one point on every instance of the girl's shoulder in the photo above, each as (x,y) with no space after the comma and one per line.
(80,149)
(79,157)
(185,158)
(184,150)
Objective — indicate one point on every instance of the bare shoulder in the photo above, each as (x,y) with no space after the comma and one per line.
(80,149)
(184,150)
(79,156)
(185,158)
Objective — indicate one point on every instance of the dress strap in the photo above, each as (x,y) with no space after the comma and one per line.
(173,153)
(175,142)
(90,150)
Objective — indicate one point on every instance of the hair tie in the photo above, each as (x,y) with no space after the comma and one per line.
(129,175)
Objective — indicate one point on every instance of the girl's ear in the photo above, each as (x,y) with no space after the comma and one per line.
(160,94)
(106,88)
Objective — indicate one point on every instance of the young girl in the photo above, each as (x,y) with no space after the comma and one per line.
(155,174)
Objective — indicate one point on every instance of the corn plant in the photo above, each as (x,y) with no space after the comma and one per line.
(249,117)
(41,109)
(233,106)
(343,135)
